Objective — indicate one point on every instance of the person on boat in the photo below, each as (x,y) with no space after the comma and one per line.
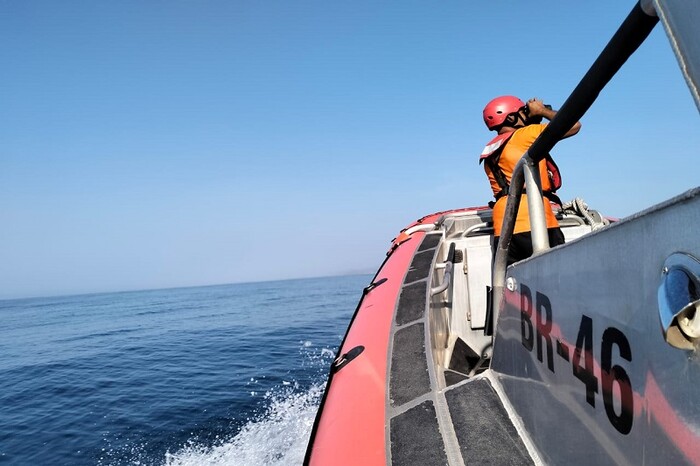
(518,126)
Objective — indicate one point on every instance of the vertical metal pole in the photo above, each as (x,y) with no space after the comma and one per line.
(538,223)
(636,27)
(500,263)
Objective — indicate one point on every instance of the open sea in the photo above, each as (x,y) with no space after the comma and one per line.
(218,375)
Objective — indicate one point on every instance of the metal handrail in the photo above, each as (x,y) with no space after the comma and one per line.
(525,173)
(636,27)
(477,227)
(447,276)
(426,227)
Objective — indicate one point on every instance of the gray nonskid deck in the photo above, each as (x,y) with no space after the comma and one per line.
(463,424)
(485,433)
(409,368)
(413,446)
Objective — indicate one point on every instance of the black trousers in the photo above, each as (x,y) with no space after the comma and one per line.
(521,244)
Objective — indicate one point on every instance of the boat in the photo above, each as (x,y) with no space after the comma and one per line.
(584,353)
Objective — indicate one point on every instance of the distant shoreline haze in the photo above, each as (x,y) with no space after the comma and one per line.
(137,290)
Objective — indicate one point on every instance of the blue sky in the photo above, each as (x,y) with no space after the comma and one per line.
(174,143)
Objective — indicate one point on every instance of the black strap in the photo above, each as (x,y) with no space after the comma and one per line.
(492,162)
(552,197)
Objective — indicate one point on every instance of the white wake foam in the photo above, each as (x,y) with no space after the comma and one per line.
(276,437)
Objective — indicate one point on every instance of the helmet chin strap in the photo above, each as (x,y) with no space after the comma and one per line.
(518,120)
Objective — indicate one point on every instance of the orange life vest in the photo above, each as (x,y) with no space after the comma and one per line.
(491,154)
(499,169)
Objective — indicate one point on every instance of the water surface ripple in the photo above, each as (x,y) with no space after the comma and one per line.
(223,375)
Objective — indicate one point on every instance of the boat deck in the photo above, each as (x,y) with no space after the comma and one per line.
(429,423)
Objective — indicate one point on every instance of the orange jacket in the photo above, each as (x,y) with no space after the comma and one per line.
(518,143)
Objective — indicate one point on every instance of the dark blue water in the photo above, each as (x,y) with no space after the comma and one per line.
(225,375)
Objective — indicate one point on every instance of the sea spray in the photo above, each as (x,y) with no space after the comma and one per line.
(207,375)
(278,436)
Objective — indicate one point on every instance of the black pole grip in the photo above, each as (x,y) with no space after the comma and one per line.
(636,27)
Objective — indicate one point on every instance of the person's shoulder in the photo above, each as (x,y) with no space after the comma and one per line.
(530,130)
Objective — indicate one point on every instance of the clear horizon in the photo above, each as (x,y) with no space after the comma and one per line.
(145,290)
(149,146)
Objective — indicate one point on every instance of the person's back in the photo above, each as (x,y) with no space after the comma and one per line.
(509,116)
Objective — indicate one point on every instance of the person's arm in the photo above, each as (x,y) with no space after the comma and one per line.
(537,108)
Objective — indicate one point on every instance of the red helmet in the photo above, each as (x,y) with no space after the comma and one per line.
(498,109)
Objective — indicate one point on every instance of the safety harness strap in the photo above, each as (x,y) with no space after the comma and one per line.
(492,159)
